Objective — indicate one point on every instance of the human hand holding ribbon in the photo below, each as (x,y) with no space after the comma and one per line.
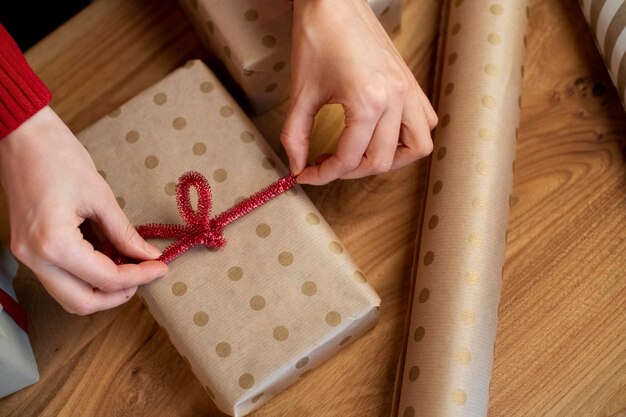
(199,228)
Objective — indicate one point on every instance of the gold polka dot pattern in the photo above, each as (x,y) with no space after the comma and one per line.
(201,318)
(335,247)
(235,273)
(199,149)
(269,41)
(302,362)
(285,258)
(170,188)
(220,175)
(246,381)
(132,136)
(179,288)
(223,349)
(312,218)
(359,277)
(206,87)
(151,162)
(179,123)
(345,340)
(246,137)
(251,15)
(263,230)
(280,333)
(333,318)
(226,111)
(268,163)
(257,303)
(159,98)
(309,288)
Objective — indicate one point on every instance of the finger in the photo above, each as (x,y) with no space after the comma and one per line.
(72,253)
(78,297)
(431,115)
(297,130)
(415,136)
(380,153)
(120,232)
(351,147)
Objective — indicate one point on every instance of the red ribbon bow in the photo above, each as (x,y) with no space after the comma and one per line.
(200,229)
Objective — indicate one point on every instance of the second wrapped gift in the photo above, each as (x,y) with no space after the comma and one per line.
(253,39)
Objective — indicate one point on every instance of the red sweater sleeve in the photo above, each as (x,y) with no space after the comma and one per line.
(22,93)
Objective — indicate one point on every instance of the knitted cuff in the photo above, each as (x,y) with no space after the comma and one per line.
(22,93)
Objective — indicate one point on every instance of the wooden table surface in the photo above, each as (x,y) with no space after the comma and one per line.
(561,341)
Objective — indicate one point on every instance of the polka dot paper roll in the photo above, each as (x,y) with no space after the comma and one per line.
(448,358)
(283,295)
(253,39)
(607,20)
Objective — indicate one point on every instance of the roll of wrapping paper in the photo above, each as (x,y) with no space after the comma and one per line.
(607,20)
(451,327)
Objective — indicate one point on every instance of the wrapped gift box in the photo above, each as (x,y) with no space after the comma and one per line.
(253,39)
(283,295)
(18,368)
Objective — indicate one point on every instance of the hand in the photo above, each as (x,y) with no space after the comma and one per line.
(341,54)
(52,186)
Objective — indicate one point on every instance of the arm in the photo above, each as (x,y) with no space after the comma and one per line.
(341,54)
(52,186)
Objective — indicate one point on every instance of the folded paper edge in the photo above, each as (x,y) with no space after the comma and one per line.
(361,325)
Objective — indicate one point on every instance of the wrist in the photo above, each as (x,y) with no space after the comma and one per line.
(24,141)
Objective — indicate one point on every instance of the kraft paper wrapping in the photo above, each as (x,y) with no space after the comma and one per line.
(607,20)
(253,39)
(18,368)
(448,358)
(283,295)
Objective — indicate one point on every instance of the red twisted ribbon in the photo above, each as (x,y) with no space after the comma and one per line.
(199,228)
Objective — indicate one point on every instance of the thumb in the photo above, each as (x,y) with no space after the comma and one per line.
(121,233)
(296,131)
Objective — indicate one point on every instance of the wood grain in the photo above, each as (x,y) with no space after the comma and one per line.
(561,341)
(561,349)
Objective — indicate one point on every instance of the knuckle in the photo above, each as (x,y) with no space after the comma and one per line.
(130,234)
(431,117)
(47,243)
(286,138)
(111,285)
(374,99)
(433,120)
(399,87)
(349,163)
(82,307)
(126,234)
(380,165)
(20,250)
(425,148)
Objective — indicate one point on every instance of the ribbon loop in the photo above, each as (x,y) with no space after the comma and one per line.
(199,217)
